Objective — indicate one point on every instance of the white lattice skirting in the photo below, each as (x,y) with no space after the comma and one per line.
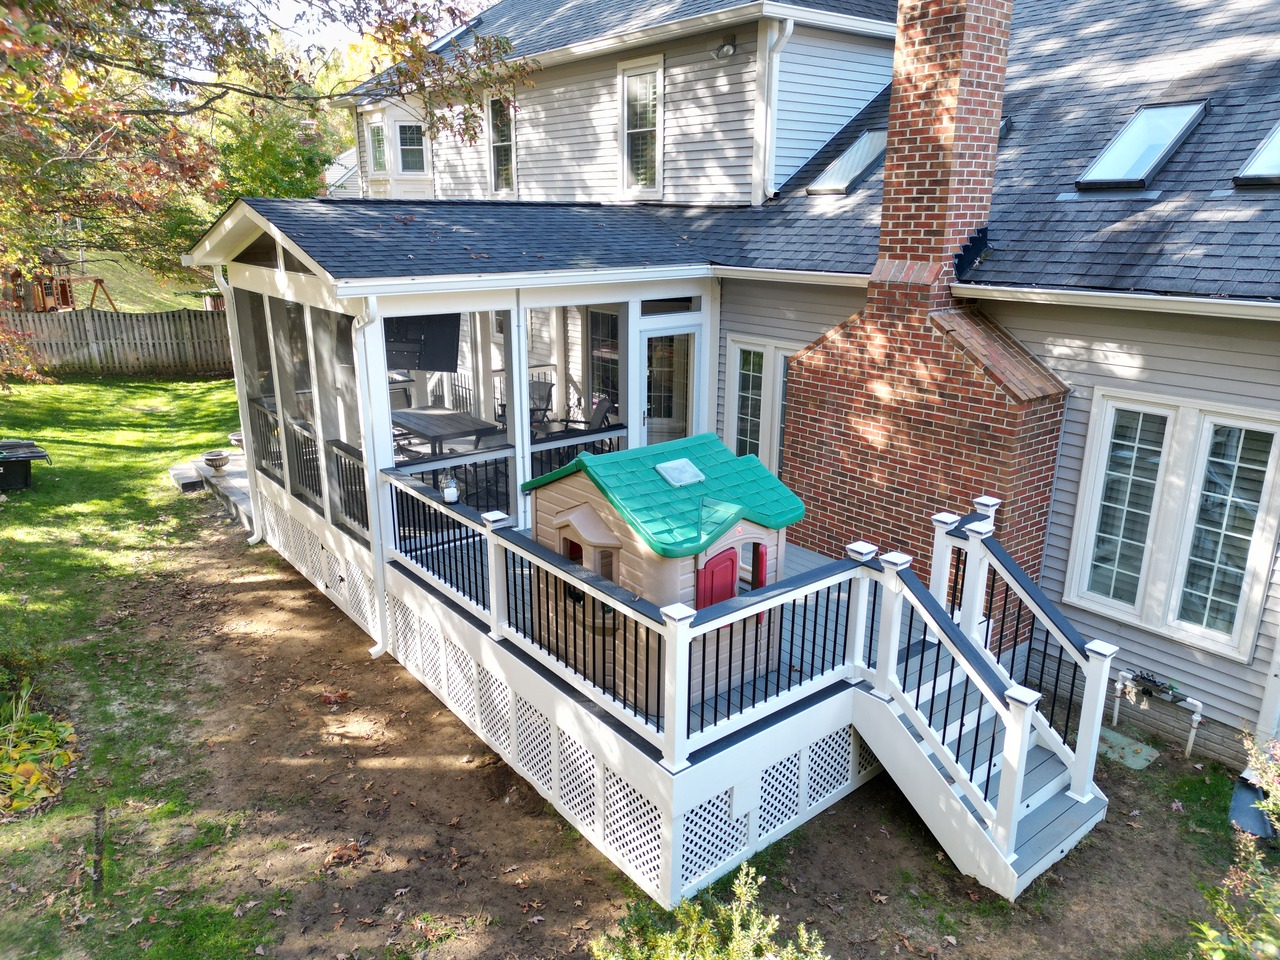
(671,833)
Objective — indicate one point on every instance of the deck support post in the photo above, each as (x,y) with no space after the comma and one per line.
(675,686)
(499,616)
(1096,672)
(855,627)
(890,623)
(1013,768)
(940,568)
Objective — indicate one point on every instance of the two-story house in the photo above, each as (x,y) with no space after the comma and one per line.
(1052,283)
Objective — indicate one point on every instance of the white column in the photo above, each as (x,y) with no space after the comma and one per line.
(943,547)
(675,686)
(890,623)
(1096,672)
(1013,768)
(517,352)
(855,629)
(976,568)
(499,615)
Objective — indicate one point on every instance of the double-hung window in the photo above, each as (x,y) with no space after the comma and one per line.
(413,150)
(377,148)
(758,398)
(640,144)
(1177,519)
(502,157)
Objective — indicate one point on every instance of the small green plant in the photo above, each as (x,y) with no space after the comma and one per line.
(35,750)
(706,929)
(1246,906)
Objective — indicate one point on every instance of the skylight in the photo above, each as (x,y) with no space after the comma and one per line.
(1263,166)
(1141,148)
(851,164)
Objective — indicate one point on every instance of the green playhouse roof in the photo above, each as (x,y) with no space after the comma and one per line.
(686,517)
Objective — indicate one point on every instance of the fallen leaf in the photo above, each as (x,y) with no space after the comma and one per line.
(950,939)
(537,919)
(260,950)
(878,897)
(401,891)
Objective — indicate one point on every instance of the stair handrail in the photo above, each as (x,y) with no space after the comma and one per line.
(1012,703)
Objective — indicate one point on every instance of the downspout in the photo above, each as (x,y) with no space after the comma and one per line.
(785,29)
(368,419)
(237,371)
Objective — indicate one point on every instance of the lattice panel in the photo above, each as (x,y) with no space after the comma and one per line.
(632,826)
(462,694)
(333,578)
(271,524)
(495,708)
(867,760)
(578,779)
(293,534)
(359,593)
(432,642)
(779,794)
(830,764)
(533,742)
(404,626)
(711,836)
(313,557)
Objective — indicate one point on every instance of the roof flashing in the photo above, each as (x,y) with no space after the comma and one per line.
(1142,147)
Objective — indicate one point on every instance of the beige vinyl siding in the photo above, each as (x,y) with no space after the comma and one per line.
(794,312)
(708,122)
(460,170)
(567,133)
(824,79)
(362,154)
(1201,360)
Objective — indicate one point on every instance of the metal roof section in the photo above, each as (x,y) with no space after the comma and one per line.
(685,518)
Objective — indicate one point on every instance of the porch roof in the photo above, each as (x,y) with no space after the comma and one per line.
(377,239)
(682,521)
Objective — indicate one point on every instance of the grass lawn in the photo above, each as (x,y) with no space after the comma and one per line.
(136,289)
(100,520)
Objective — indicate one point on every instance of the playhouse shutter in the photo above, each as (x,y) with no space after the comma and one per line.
(718,578)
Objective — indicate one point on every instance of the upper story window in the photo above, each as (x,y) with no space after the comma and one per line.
(640,99)
(413,150)
(850,165)
(1176,525)
(377,148)
(502,160)
(1139,150)
(1263,165)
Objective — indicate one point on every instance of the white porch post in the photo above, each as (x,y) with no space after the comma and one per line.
(376,444)
(497,557)
(517,352)
(675,687)
(1013,768)
(890,623)
(855,643)
(976,568)
(242,402)
(940,569)
(1096,672)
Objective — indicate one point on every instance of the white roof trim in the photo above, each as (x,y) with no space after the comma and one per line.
(1150,302)
(826,277)
(460,283)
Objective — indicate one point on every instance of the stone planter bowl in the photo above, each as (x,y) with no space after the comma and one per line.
(237,439)
(217,459)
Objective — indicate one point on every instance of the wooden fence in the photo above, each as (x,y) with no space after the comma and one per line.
(102,341)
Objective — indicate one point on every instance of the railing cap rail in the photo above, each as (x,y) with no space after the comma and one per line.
(747,602)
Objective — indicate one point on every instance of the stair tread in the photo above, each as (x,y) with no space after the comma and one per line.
(1043,830)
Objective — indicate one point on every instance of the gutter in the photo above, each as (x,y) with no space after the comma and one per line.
(242,403)
(1148,302)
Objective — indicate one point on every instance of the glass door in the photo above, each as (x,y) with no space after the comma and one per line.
(669,391)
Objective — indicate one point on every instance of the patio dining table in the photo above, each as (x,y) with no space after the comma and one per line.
(437,425)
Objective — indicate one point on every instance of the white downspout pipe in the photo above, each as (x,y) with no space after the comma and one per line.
(242,402)
(375,412)
(785,29)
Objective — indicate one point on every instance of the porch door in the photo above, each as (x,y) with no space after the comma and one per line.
(669,392)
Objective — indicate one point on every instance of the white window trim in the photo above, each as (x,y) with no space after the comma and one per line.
(775,354)
(1178,484)
(426,158)
(374,171)
(515,173)
(626,68)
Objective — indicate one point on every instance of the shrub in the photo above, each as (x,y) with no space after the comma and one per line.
(706,929)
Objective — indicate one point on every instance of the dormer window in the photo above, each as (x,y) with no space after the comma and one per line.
(1138,151)
(851,165)
(378,148)
(502,162)
(1263,166)
(640,123)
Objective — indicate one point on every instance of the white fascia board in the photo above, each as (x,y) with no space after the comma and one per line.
(824,277)
(206,253)
(1147,302)
(455,283)
(804,16)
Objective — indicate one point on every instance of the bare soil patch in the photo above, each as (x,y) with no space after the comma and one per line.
(377,824)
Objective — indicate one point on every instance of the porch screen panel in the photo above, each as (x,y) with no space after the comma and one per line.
(255,344)
(603,372)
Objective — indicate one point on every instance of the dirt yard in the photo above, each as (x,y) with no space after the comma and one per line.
(382,827)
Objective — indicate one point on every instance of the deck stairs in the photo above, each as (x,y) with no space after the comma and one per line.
(977,720)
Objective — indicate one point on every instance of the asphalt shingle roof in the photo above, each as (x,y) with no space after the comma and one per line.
(683,521)
(365,239)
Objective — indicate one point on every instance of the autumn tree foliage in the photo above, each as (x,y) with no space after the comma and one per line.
(18,359)
(123,117)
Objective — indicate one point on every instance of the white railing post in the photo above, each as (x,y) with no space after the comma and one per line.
(890,623)
(1096,672)
(940,569)
(1013,767)
(976,568)
(855,627)
(675,686)
(497,558)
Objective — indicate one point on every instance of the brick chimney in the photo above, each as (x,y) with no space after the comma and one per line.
(918,404)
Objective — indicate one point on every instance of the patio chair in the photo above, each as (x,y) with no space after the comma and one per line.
(541,396)
(486,482)
(598,420)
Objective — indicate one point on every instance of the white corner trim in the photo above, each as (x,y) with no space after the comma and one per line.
(1148,302)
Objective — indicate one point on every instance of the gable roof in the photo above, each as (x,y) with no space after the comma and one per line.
(365,239)
(683,521)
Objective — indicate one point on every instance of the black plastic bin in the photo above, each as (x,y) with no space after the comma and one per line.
(15,463)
